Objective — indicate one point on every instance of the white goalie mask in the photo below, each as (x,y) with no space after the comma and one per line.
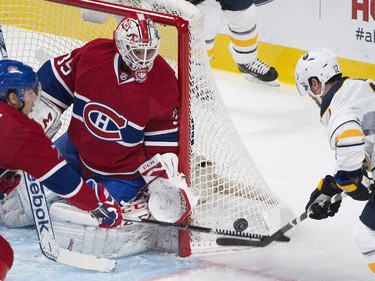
(137,41)
(321,64)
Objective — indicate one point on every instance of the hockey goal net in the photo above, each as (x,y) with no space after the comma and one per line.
(211,152)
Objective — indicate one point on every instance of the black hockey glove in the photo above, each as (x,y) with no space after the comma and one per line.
(357,184)
(325,190)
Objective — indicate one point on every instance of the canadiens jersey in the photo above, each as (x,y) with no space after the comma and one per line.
(24,146)
(117,123)
(348,113)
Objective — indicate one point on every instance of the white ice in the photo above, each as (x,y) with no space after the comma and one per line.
(283,134)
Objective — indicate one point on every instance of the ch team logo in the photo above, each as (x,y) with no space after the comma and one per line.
(103,122)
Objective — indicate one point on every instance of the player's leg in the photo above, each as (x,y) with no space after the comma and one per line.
(241,17)
(213,15)
(364,233)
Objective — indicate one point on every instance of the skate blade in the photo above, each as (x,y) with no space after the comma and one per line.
(251,78)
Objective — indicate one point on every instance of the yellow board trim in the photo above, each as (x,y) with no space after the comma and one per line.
(283,59)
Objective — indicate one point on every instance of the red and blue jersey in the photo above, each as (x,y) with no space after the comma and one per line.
(24,146)
(117,123)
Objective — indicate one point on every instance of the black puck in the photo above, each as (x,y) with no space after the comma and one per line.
(240,225)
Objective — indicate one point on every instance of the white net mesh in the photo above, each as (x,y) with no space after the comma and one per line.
(231,186)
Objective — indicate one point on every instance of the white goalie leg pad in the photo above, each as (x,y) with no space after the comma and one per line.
(77,231)
(47,115)
(15,209)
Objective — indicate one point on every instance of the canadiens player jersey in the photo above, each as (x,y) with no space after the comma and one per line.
(24,146)
(117,123)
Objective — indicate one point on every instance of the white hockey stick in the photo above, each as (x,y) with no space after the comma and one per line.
(47,241)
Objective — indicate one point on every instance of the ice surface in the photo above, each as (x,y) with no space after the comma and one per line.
(282,131)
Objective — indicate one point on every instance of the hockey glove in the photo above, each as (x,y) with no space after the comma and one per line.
(108,212)
(357,184)
(9,181)
(171,200)
(325,190)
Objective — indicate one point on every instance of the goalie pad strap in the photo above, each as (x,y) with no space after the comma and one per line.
(15,210)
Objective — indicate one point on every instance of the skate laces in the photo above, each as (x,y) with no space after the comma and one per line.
(258,67)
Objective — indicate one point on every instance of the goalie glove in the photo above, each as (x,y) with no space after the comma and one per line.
(325,190)
(171,200)
(108,213)
(357,184)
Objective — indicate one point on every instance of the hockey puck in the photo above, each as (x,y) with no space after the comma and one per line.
(240,225)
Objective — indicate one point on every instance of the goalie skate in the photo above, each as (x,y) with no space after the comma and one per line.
(259,72)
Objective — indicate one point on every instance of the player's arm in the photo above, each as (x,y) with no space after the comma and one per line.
(57,77)
(347,140)
(43,161)
(161,135)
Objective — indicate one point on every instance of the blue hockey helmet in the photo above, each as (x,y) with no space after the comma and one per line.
(16,76)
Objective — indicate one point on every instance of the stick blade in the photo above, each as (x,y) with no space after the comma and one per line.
(87,262)
(263,242)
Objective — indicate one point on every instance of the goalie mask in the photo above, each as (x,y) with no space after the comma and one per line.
(16,77)
(137,41)
(320,64)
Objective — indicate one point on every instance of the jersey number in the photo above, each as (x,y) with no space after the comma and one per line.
(64,64)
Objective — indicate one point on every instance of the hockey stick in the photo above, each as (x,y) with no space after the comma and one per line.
(218,231)
(266,240)
(3,49)
(47,241)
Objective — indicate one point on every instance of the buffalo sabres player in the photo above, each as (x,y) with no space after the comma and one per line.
(124,127)
(24,146)
(241,19)
(347,111)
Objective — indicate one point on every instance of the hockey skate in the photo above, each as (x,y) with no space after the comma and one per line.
(259,72)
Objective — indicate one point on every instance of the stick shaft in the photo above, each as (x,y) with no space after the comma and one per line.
(3,49)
